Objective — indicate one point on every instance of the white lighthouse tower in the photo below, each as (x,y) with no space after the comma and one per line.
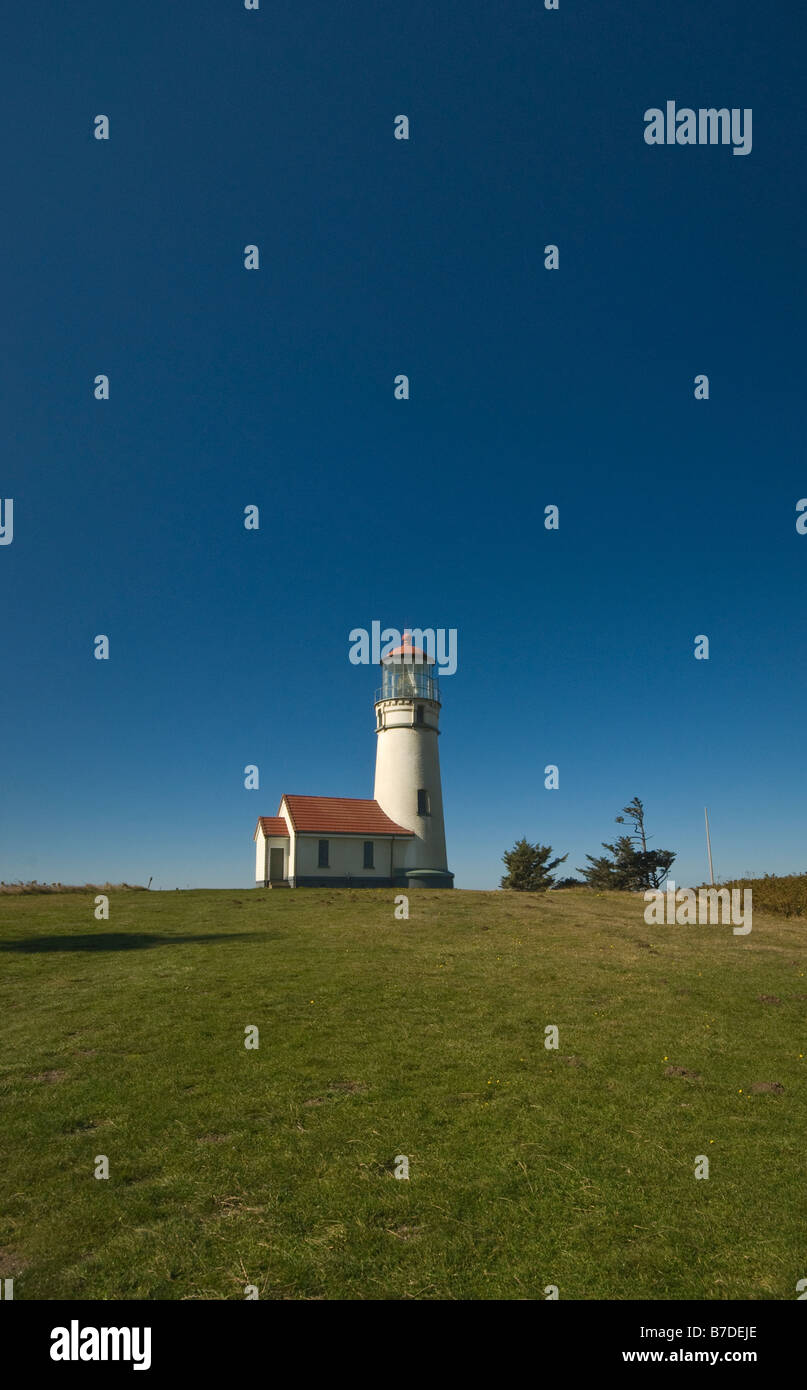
(407,769)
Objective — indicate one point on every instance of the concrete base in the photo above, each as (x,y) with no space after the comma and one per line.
(424,878)
(404,878)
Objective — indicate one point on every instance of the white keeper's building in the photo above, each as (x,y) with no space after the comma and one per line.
(397,839)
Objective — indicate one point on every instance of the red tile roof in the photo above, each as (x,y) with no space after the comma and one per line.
(271,825)
(340,815)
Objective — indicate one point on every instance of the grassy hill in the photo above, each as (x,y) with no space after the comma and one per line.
(379,1038)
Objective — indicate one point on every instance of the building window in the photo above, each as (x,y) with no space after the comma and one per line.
(368,855)
(418,714)
(379,718)
(323,854)
(423,802)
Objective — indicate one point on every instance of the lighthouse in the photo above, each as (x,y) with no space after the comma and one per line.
(396,840)
(407,768)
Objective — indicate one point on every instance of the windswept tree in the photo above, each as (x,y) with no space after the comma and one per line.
(529,868)
(630,864)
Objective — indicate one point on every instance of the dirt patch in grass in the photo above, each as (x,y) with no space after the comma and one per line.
(769,999)
(774,1086)
(233,1204)
(50,1077)
(12,1264)
(337,1088)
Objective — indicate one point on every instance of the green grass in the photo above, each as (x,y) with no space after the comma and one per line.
(380,1037)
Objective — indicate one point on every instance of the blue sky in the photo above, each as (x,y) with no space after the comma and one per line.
(528,387)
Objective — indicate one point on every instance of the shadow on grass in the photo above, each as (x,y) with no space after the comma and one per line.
(117,941)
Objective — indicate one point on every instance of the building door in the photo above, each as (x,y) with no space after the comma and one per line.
(276,866)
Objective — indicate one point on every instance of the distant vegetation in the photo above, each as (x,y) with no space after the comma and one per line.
(785,894)
(34,887)
(529,868)
(630,865)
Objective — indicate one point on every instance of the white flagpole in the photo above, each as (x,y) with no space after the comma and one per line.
(709,848)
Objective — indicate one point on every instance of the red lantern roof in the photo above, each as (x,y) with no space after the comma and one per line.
(409,653)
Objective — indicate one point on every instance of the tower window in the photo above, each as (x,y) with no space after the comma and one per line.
(322,861)
(368,855)
(418,714)
(423,802)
